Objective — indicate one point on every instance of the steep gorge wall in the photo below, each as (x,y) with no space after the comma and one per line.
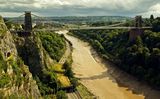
(32,52)
(15,77)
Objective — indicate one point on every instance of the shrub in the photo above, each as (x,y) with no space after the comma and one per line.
(4,80)
(61,95)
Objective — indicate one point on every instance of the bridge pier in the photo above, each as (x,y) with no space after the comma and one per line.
(134,33)
(27,25)
(138,21)
(28,21)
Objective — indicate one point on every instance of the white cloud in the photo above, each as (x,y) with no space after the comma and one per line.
(81,7)
(155,7)
(153,10)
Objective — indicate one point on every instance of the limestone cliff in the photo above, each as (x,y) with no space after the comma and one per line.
(32,52)
(15,77)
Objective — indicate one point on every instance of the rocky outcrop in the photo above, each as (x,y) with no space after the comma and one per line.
(15,77)
(32,52)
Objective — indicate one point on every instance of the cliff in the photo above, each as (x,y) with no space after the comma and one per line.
(33,54)
(15,77)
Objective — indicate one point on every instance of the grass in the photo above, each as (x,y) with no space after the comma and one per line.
(64,80)
(3,64)
(2,32)
(51,96)
(10,58)
(4,80)
(3,29)
(83,91)
(58,68)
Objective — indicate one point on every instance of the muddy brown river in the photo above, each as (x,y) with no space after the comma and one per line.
(102,78)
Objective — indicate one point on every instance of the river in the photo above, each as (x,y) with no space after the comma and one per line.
(102,78)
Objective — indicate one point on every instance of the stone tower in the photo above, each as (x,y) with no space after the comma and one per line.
(138,21)
(28,22)
(137,31)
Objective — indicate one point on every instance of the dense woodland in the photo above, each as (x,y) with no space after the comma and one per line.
(140,57)
(54,44)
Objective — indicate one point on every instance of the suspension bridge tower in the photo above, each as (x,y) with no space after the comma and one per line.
(138,21)
(28,22)
(137,31)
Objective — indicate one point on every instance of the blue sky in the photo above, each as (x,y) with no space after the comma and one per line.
(81,7)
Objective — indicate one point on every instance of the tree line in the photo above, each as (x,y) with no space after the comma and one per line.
(140,58)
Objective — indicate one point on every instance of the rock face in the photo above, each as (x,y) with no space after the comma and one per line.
(15,77)
(32,52)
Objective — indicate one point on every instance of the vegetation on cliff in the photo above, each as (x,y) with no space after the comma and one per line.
(54,44)
(15,77)
(41,53)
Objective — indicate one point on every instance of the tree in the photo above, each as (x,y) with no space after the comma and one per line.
(151,17)
(156,25)
(139,41)
(61,95)
(140,58)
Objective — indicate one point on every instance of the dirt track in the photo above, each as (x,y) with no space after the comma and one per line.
(103,79)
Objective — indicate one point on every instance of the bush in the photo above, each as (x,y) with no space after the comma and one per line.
(74,82)
(61,95)
(3,64)
(47,83)
(54,44)
(4,80)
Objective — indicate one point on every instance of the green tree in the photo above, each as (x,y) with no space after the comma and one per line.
(156,25)
(151,17)
(61,95)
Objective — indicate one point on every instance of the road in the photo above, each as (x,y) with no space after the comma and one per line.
(71,95)
(103,79)
(66,54)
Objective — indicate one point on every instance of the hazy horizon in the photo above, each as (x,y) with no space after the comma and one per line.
(39,14)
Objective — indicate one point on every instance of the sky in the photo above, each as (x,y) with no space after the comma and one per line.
(131,8)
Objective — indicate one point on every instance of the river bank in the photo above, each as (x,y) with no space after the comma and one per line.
(103,78)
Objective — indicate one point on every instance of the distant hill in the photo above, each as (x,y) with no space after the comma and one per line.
(76,19)
(85,19)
